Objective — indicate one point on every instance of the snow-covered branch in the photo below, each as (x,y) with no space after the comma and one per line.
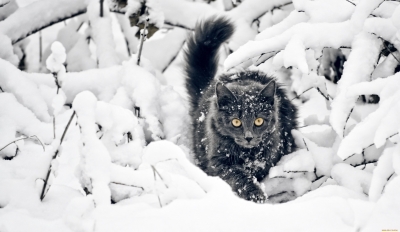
(30,19)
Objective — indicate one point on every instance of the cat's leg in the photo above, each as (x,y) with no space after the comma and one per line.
(245,185)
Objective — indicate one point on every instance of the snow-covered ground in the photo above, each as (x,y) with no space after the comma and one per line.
(91,141)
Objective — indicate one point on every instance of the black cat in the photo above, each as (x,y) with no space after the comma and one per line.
(242,122)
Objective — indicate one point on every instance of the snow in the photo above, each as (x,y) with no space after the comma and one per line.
(366,48)
(351,178)
(95,163)
(101,32)
(293,18)
(23,16)
(6,52)
(172,39)
(125,161)
(329,35)
(328,11)
(55,62)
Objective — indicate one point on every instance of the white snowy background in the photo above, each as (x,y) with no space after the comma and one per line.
(111,136)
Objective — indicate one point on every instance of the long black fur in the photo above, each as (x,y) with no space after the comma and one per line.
(202,54)
(217,145)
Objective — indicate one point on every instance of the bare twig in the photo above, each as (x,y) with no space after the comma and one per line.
(128,185)
(326,97)
(101,8)
(348,117)
(155,179)
(173,58)
(5,3)
(274,8)
(40,47)
(352,3)
(27,137)
(143,37)
(56,80)
(398,61)
(54,127)
(368,147)
(297,96)
(383,189)
(42,195)
(304,141)
(155,171)
(178,25)
(364,163)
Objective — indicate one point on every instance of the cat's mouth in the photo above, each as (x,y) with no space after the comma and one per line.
(248,144)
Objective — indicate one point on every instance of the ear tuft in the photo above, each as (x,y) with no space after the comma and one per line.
(224,96)
(267,94)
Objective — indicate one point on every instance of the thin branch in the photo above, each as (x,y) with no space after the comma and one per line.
(262,58)
(304,141)
(42,195)
(56,80)
(274,8)
(297,96)
(318,178)
(101,8)
(364,163)
(1,90)
(383,189)
(326,97)
(370,146)
(1,5)
(178,25)
(155,179)
(128,185)
(143,37)
(348,117)
(40,47)
(352,3)
(54,127)
(390,51)
(156,172)
(173,58)
(27,137)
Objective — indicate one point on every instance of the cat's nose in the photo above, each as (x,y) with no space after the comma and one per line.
(248,136)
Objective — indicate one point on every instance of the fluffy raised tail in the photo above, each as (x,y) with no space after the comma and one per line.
(202,54)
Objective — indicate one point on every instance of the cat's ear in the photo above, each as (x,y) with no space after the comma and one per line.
(224,96)
(268,93)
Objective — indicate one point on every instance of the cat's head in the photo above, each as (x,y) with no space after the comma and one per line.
(246,113)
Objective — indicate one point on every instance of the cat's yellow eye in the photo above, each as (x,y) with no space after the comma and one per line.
(258,121)
(236,122)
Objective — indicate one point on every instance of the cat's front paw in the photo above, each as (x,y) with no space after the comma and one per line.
(253,193)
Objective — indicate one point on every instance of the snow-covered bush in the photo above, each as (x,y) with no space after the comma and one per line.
(342,136)
(94,121)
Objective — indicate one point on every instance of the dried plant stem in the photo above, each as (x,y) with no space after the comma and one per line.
(128,185)
(40,47)
(54,127)
(351,111)
(155,179)
(366,148)
(3,4)
(27,137)
(101,8)
(142,39)
(304,141)
(42,195)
